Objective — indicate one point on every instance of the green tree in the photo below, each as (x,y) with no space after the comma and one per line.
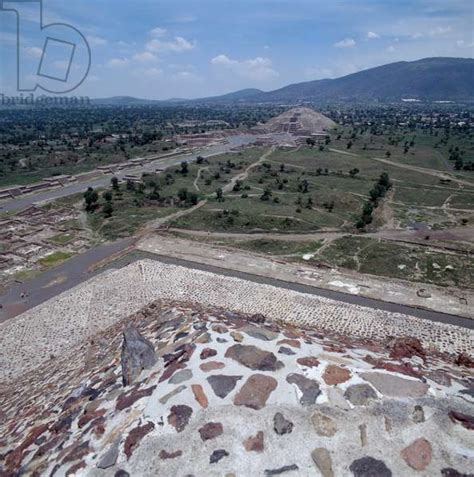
(90,198)
(108,210)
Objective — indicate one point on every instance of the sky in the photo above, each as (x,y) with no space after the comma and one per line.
(160,49)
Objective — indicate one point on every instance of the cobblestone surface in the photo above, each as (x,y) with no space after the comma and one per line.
(43,332)
(74,416)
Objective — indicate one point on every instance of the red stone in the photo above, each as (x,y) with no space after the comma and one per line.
(211,366)
(135,436)
(211,430)
(126,400)
(170,455)
(179,417)
(336,375)
(308,361)
(200,395)
(465,360)
(207,353)
(256,391)
(292,343)
(418,454)
(406,347)
(89,416)
(254,443)
(465,420)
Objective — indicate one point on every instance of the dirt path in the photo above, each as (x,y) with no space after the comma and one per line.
(422,170)
(242,176)
(158,223)
(261,235)
(198,177)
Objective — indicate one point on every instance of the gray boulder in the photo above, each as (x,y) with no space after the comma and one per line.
(137,354)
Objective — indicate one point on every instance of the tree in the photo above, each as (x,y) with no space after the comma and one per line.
(220,195)
(91,197)
(108,210)
(184,168)
(115,183)
(267,193)
(354,172)
(130,185)
(183,194)
(303,186)
(199,160)
(310,142)
(107,195)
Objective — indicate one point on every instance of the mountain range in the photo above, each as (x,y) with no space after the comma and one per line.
(430,79)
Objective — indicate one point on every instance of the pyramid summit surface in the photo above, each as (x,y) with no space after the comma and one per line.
(234,392)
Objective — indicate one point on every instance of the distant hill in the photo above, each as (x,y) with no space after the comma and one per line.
(427,79)
(432,79)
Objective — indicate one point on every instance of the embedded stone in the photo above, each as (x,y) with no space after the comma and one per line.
(171,394)
(217,455)
(406,347)
(281,425)
(323,424)
(170,455)
(322,458)
(287,351)
(237,337)
(308,362)
(252,357)
(394,386)
(222,385)
(360,394)
(418,414)
(200,395)
(418,454)
(121,473)
(211,430)
(126,400)
(292,343)
(309,388)
(369,467)
(179,416)
(207,353)
(465,420)
(336,375)
(135,436)
(211,366)
(254,443)
(137,354)
(262,334)
(181,376)
(110,457)
(256,391)
(281,470)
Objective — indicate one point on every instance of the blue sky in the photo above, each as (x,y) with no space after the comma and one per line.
(194,48)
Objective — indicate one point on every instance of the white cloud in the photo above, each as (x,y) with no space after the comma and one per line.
(158,32)
(178,45)
(149,72)
(145,57)
(440,30)
(464,44)
(96,40)
(391,49)
(185,76)
(416,35)
(257,68)
(33,51)
(346,43)
(117,62)
(372,35)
